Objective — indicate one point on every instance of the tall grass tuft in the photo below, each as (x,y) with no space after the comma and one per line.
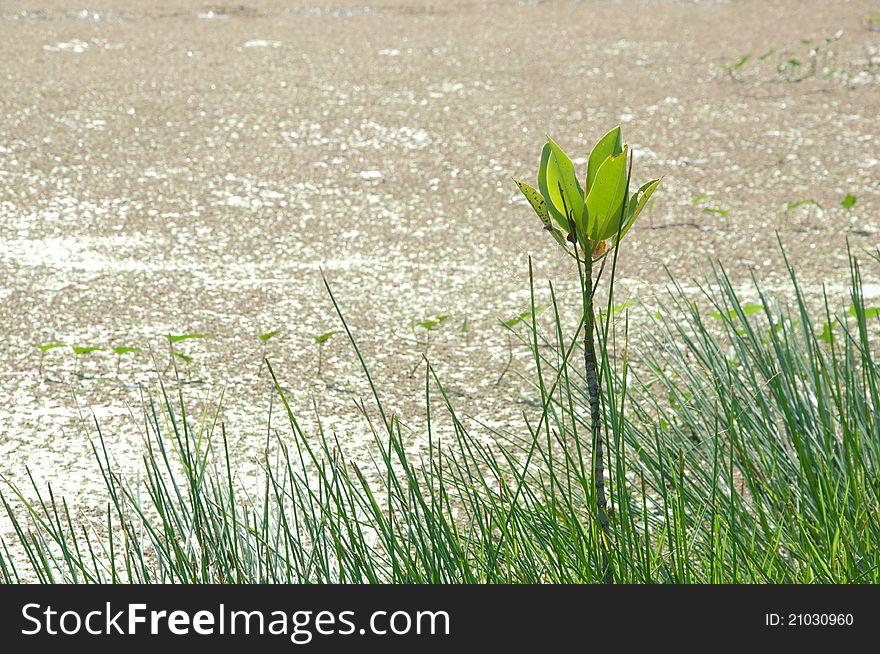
(743,447)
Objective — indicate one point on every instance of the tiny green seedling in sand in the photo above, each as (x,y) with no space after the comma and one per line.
(173,339)
(264,342)
(81,351)
(122,350)
(321,340)
(44,348)
(425,326)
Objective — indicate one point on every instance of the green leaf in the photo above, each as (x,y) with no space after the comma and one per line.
(86,349)
(562,184)
(715,210)
(869,313)
(699,198)
(45,347)
(176,338)
(747,309)
(120,350)
(605,201)
(558,213)
(525,316)
(607,146)
(540,207)
(637,202)
(320,339)
(621,307)
(791,206)
(848,201)
(826,334)
(265,337)
(537,201)
(183,357)
(430,324)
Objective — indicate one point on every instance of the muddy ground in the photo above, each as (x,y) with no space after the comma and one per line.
(183,167)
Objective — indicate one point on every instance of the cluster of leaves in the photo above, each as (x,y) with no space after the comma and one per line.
(594,215)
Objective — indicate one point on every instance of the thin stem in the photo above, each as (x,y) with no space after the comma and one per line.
(587,290)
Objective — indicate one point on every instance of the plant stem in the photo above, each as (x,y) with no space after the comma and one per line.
(595,417)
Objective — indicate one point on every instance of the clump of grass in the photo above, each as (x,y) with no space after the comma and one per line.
(744,447)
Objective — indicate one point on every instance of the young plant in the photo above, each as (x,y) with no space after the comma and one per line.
(588,222)
(732,69)
(702,197)
(173,339)
(265,337)
(264,343)
(466,330)
(320,339)
(45,347)
(120,351)
(80,351)
(427,326)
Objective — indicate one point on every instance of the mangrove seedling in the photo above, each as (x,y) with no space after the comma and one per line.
(265,337)
(320,339)
(588,221)
(80,351)
(45,347)
(732,69)
(173,339)
(121,350)
(427,326)
(264,343)
(466,330)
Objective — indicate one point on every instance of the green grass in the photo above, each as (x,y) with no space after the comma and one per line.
(741,440)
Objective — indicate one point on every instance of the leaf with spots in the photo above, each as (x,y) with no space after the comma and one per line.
(537,201)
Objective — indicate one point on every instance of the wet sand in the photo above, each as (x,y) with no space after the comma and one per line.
(175,167)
